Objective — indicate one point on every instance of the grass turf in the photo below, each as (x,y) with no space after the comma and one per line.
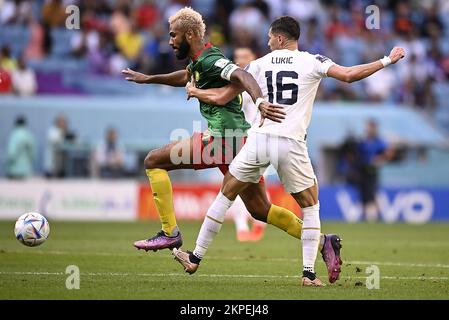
(413,263)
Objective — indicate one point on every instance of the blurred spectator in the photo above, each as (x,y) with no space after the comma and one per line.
(117,62)
(348,161)
(15,12)
(403,22)
(335,26)
(20,151)
(416,79)
(35,48)
(109,157)
(312,41)
(53,13)
(57,136)
(7,13)
(373,152)
(120,22)
(7,62)
(24,80)
(432,22)
(5,81)
(130,44)
(250,21)
(147,14)
(117,34)
(303,9)
(380,85)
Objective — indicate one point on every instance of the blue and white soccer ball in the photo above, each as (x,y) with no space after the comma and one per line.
(32,229)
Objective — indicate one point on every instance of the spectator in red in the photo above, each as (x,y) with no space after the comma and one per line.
(5,82)
(147,15)
(335,27)
(403,23)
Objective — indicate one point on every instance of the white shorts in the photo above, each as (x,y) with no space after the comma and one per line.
(288,156)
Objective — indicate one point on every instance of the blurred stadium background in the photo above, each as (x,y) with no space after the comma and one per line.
(56,78)
(65,88)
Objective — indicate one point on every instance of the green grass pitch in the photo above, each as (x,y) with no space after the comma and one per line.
(413,262)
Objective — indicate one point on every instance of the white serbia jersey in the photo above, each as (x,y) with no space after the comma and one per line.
(289,78)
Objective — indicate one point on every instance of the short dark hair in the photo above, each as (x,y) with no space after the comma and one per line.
(287,26)
(21,121)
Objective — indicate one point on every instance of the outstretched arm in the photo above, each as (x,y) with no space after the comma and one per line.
(175,79)
(359,72)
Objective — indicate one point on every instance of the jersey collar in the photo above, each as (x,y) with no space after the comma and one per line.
(207,45)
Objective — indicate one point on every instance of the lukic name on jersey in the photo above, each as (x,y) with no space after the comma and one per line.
(281,60)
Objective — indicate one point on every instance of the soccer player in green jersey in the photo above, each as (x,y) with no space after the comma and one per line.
(226,129)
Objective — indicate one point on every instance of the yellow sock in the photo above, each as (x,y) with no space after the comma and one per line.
(286,220)
(163,198)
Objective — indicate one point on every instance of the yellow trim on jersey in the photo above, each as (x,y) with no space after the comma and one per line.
(240,100)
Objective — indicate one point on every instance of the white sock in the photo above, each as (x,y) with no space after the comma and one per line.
(212,224)
(310,236)
(240,215)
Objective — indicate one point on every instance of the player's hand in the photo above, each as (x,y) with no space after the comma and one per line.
(190,88)
(396,54)
(134,76)
(270,111)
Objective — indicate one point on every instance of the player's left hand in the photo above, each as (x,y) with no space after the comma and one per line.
(190,88)
(396,54)
(270,111)
(134,76)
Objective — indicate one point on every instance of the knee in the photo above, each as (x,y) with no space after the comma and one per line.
(259,212)
(307,202)
(306,198)
(150,161)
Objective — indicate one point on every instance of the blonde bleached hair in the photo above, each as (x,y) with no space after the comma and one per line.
(190,19)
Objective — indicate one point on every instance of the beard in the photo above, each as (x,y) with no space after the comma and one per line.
(183,49)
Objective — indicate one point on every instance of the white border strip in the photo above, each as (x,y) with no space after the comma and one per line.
(345,263)
(95,274)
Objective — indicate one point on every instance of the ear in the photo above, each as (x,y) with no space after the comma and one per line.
(189,34)
(280,39)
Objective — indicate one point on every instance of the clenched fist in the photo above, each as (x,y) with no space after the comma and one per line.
(396,54)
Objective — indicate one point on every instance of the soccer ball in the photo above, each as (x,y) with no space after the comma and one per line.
(32,229)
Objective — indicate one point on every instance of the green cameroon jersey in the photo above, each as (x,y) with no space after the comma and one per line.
(212,69)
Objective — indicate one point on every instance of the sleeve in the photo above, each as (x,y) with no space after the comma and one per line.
(321,66)
(220,67)
(253,68)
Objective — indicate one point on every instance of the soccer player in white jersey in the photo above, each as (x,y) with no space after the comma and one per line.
(289,78)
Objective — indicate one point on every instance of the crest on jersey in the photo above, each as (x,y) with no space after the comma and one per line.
(197,76)
(321,58)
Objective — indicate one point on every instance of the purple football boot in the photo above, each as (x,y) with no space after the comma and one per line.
(331,256)
(159,241)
